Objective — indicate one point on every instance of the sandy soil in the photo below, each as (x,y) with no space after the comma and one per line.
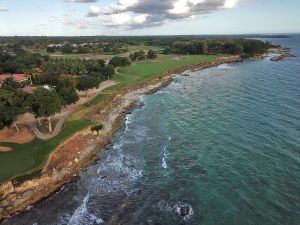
(21,137)
(5,149)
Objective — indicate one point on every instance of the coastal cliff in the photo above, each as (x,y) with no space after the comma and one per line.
(82,149)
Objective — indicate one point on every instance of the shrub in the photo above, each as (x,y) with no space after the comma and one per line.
(97,128)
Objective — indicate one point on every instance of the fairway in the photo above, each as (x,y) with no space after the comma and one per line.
(31,156)
(141,71)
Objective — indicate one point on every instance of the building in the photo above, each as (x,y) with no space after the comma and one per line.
(16,77)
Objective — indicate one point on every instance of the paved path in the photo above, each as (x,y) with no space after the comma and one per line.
(64,115)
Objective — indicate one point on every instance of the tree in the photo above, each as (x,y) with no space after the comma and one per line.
(167,50)
(67,49)
(66,89)
(151,54)
(50,49)
(140,55)
(11,105)
(107,71)
(204,48)
(44,103)
(10,84)
(119,61)
(88,82)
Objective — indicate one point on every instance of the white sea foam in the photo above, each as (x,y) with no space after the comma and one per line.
(175,208)
(82,216)
(164,163)
(225,66)
(178,207)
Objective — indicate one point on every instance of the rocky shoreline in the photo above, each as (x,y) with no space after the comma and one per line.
(66,160)
(283,53)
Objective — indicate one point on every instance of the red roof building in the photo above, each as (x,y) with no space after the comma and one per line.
(20,77)
(15,77)
(3,77)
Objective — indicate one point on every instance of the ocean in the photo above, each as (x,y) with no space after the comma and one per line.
(223,143)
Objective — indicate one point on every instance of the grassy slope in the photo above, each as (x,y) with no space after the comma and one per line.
(31,156)
(141,71)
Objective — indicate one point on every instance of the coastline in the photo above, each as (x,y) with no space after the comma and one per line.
(56,172)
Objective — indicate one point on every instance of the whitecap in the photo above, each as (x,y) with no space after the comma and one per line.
(225,66)
(82,216)
(176,208)
(164,163)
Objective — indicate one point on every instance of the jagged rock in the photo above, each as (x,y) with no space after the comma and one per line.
(184,211)
(185,75)
(277,58)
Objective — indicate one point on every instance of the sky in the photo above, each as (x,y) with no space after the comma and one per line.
(147,17)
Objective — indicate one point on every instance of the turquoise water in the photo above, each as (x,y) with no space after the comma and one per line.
(224,142)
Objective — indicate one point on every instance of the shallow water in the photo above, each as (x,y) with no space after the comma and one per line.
(224,142)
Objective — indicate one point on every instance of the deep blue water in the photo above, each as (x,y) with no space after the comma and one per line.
(224,142)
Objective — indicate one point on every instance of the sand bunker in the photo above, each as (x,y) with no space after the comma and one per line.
(5,149)
(21,137)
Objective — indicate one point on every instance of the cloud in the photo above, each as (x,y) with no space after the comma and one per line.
(52,19)
(146,13)
(3,9)
(41,25)
(68,19)
(81,1)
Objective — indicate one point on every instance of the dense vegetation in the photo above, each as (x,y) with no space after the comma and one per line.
(142,55)
(64,76)
(244,47)
(59,78)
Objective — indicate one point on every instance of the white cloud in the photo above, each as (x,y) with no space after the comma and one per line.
(139,13)
(230,3)
(3,9)
(52,19)
(122,19)
(80,1)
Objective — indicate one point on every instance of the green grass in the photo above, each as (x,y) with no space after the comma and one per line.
(77,115)
(99,98)
(140,71)
(84,109)
(31,156)
(135,48)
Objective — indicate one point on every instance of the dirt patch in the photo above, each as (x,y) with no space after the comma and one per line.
(20,137)
(5,149)
(43,125)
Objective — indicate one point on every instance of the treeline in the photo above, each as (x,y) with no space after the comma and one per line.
(42,102)
(243,47)
(20,61)
(64,77)
(86,48)
(142,55)
(53,68)
(157,40)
